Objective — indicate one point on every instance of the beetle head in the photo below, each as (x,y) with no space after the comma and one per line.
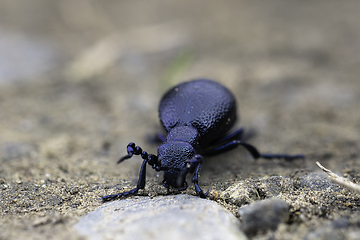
(173,157)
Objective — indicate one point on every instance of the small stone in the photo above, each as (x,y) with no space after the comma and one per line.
(213,195)
(175,217)
(240,193)
(263,215)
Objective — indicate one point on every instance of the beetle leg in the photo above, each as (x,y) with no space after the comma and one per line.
(252,150)
(231,145)
(232,136)
(151,159)
(196,162)
(195,180)
(140,185)
(284,156)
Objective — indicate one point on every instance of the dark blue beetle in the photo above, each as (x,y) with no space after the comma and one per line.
(196,115)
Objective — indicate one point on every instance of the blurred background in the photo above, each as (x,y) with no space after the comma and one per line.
(143,39)
(80,79)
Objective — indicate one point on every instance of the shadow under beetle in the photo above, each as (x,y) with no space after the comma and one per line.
(197,116)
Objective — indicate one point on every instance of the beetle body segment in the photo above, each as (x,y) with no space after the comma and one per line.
(203,104)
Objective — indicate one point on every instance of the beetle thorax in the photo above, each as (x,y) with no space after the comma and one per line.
(184,134)
(174,154)
(173,157)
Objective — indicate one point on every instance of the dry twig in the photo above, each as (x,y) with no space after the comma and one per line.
(340,180)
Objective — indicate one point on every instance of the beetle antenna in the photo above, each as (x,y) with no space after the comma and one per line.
(124,158)
(150,159)
(131,149)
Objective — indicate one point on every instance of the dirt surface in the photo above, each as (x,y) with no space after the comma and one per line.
(80,80)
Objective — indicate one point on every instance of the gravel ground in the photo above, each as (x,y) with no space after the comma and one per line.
(80,80)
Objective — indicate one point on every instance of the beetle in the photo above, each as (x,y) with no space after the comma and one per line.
(197,116)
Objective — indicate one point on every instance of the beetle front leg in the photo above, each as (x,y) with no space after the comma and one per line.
(236,135)
(148,158)
(140,185)
(195,180)
(197,162)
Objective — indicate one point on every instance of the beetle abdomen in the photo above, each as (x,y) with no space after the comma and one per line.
(206,105)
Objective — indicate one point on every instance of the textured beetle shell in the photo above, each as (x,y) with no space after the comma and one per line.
(170,157)
(204,104)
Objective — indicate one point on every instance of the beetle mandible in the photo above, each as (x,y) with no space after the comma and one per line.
(196,116)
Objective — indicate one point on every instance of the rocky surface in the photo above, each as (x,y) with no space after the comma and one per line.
(169,217)
(79,80)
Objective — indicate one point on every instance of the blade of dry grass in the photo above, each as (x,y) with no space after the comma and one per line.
(340,180)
